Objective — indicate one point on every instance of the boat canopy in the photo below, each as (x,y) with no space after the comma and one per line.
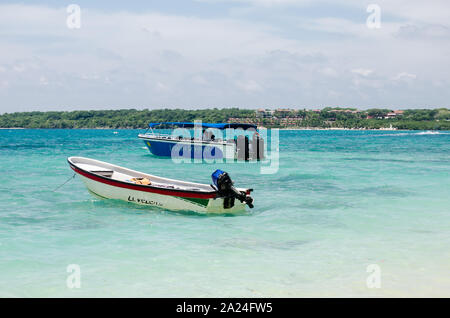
(205,125)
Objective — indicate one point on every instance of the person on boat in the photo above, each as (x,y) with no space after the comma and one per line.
(208,135)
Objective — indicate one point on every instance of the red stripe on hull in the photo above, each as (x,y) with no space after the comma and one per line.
(143,188)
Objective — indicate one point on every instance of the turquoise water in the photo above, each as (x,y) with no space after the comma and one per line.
(340,201)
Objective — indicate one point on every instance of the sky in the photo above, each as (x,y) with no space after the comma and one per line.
(224,53)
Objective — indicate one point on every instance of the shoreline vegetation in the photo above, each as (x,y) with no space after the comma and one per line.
(290,119)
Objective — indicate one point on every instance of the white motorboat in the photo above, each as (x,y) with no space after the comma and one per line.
(115,182)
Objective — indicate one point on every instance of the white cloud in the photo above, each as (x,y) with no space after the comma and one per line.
(328,71)
(249,86)
(19,68)
(424,32)
(161,87)
(43,81)
(125,59)
(4,84)
(428,12)
(404,76)
(264,3)
(362,71)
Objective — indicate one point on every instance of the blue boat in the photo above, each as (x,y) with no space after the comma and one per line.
(209,141)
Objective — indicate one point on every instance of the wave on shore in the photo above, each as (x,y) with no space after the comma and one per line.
(421,133)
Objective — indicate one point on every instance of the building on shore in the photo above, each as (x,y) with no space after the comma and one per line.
(394,114)
(264,113)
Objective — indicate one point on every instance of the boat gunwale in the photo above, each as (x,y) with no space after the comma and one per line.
(186,141)
(141,187)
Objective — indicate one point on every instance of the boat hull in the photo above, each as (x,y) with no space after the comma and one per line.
(187,149)
(164,199)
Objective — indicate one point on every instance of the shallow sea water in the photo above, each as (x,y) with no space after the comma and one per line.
(340,201)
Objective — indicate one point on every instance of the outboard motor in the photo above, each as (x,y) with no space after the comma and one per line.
(257,147)
(242,147)
(225,187)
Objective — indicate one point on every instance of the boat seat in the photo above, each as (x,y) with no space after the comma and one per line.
(175,187)
(104,173)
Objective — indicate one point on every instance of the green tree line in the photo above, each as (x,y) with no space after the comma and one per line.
(414,119)
(123,118)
